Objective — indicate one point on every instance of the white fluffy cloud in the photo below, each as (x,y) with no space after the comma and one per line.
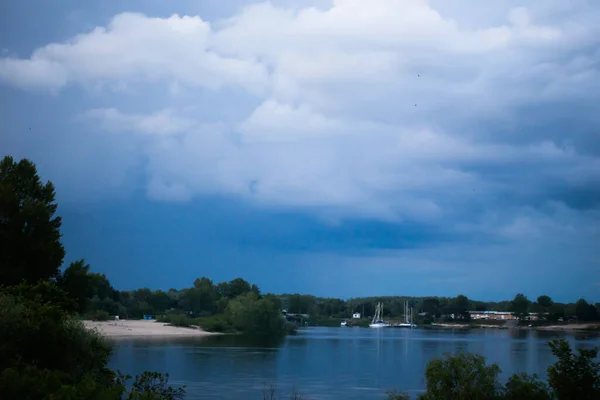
(371,108)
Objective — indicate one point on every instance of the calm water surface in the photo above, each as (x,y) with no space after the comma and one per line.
(330,363)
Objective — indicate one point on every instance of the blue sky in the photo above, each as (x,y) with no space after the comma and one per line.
(340,148)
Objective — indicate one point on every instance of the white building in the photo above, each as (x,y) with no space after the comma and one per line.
(356,315)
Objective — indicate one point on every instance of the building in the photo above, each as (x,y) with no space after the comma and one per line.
(501,315)
(356,315)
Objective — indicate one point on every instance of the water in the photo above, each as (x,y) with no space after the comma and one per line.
(330,363)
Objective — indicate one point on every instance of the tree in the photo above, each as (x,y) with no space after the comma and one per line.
(574,376)
(520,306)
(431,306)
(523,386)
(257,316)
(76,282)
(461,376)
(238,287)
(45,353)
(585,312)
(201,298)
(30,247)
(545,301)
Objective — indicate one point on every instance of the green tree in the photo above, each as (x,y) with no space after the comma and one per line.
(585,312)
(462,376)
(431,306)
(76,282)
(545,301)
(520,306)
(30,247)
(201,299)
(159,301)
(237,287)
(574,376)
(257,316)
(526,387)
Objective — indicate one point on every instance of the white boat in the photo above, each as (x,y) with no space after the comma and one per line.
(378,318)
(344,323)
(407,318)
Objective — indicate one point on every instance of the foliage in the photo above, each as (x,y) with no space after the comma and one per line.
(40,340)
(215,323)
(76,282)
(181,320)
(520,306)
(100,315)
(574,376)
(545,301)
(462,376)
(152,386)
(585,312)
(45,352)
(524,386)
(256,315)
(30,247)
(466,376)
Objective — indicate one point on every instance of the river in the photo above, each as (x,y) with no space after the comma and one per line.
(330,363)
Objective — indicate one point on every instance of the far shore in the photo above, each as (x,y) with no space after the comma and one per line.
(143,329)
(592,326)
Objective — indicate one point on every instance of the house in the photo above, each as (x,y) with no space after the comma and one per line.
(356,315)
(501,315)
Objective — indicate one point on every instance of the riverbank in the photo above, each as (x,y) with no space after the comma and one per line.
(142,329)
(593,326)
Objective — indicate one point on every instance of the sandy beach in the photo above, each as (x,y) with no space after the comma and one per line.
(142,329)
(569,327)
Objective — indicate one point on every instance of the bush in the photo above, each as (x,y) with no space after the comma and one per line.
(574,376)
(180,320)
(257,316)
(524,386)
(462,376)
(100,315)
(46,353)
(176,319)
(216,323)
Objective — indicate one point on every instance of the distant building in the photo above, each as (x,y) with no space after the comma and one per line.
(356,315)
(502,315)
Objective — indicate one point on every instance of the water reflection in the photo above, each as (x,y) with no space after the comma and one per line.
(330,362)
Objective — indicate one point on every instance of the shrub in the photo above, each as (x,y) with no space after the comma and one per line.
(216,323)
(462,376)
(524,386)
(574,376)
(100,315)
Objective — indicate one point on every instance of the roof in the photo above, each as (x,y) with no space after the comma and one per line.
(491,312)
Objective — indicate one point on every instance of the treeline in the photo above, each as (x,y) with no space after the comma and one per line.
(445,308)
(206,303)
(235,306)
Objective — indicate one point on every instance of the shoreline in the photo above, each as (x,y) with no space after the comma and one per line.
(124,329)
(583,327)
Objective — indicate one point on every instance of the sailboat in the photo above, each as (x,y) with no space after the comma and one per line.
(378,318)
(407,317)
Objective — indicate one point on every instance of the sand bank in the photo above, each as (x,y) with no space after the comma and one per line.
(142,329)
(570,327)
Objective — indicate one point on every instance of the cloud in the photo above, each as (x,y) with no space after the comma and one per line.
(134,48)
(163,122)
(390,109)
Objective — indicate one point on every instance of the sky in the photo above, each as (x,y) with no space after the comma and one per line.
(341,148)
